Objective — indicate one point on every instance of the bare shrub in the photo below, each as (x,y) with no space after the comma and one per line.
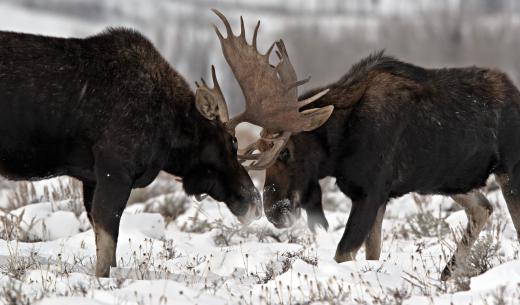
(17,264)
(227,235)
(13,227)
(24,194)
(12,294)
(425,224)
(170,206)
(66,189)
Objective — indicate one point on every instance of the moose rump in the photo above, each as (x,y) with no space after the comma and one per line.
(41,105)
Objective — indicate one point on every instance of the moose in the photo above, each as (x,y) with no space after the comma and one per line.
(111,112)
(391,128)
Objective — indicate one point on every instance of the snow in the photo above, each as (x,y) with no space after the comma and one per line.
(204,256)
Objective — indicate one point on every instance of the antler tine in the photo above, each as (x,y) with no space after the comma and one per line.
(242,28)
(214,77)
(255,34)
(226,24)
(268,53)
(216,86)
(267,158)
(299,83)
(312,99)
(249,149)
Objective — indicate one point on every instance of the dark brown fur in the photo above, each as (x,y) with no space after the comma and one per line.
(110,111)
(398,128)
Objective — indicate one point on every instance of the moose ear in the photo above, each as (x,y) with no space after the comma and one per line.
(207,104)
(316,117)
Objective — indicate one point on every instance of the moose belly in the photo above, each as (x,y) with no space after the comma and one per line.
(35,161)
(446,167)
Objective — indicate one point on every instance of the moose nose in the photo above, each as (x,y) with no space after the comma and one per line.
(254,211)
(257,211)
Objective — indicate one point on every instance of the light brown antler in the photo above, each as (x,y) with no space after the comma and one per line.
(271,94)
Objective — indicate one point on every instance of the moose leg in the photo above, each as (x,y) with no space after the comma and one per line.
(314,210)
(316,217)
(373,241)
(88,196)
(360,221)
(111,194)
(478,209)
(511,192)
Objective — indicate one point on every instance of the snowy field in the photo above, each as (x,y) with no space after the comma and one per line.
(174,250)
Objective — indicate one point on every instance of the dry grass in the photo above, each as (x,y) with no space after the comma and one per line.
(13,227)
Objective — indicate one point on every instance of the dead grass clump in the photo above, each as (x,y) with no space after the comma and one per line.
(24,194)
(425,223)
(13,227)
(282,264)
(66,189)
(170,207)
(17,264)
(12,294)
(228,235)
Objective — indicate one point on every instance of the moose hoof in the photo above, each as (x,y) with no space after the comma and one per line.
(343,257)
(314,222)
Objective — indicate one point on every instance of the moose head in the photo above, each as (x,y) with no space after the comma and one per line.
(271,99)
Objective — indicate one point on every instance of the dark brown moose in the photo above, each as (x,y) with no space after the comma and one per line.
(391,128)
(111,112)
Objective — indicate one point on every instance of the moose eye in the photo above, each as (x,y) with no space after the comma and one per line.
(284,155)
(234,142)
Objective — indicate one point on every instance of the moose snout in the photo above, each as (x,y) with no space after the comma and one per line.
(254,209)
(281,214)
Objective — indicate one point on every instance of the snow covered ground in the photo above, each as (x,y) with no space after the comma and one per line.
(173,250)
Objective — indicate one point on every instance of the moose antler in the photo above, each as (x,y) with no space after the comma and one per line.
(271,94)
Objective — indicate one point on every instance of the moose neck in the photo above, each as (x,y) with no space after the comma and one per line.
(327,136)
(185,138)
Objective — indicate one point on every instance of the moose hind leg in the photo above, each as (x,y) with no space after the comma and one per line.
(511,192)
(478,209)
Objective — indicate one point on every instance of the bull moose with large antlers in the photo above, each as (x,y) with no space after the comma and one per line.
(391,128)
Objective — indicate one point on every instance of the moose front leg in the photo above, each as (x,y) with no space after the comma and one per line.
(111,194)
(316,217)
(314,209)
(360,221)
(88,196)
